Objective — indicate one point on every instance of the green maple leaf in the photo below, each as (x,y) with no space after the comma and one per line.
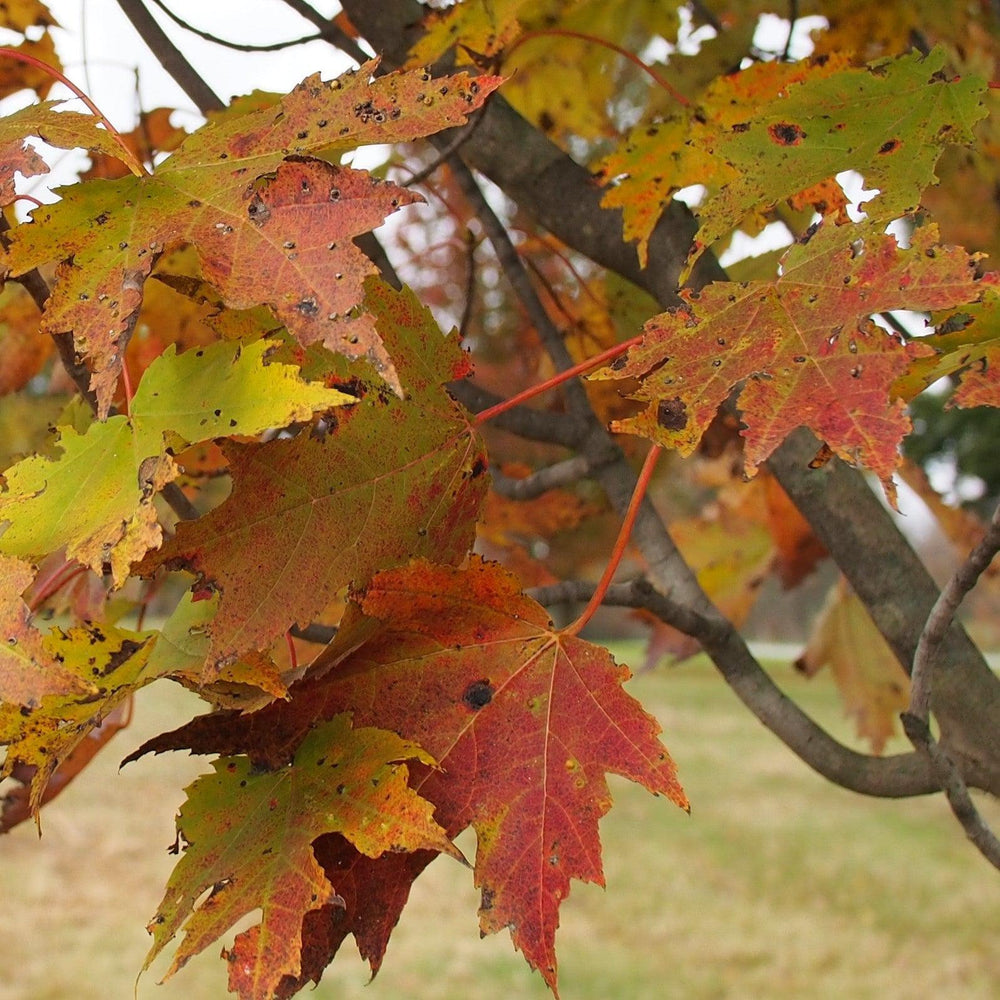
(96,497)
(772,131)
(271,225)
(248,834)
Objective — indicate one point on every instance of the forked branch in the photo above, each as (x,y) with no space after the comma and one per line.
(916,721)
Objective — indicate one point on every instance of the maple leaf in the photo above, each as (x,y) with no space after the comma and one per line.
(872,684)
(568,85)
(524,720)
(248,837)
(271,225)
(180,648)
(96,497)
(395,478)
(482,28)
(107,664)
(64,129)
(29,669)
(770,132)
(804,345)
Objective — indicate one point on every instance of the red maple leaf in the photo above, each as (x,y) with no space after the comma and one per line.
(803,346)
(524,720)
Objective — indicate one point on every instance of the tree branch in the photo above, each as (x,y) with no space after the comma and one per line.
(900,776)
(571,470)
(915,721)
(170,57)
(329,31)
(237,46)
(898,592)
(940,618)
(516,273)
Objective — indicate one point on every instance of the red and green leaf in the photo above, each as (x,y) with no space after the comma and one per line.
(802,347)
(248,838)
(272,225)
(96,497)
(770,132)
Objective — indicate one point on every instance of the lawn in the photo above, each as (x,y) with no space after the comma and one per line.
(777,886)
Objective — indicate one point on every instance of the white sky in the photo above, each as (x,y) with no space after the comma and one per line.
(114,52)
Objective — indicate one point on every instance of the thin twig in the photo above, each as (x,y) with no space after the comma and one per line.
(570,470)
(954,788)
(170,57)
(940,618)
(559,378)
(621,542)
(329,31)
(517,275)
(464,135)
(238,46)
(915,720)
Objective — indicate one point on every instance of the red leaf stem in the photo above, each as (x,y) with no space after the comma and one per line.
(641,486)
(584,366)
(128,157)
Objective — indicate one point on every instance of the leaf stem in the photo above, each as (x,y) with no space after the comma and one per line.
(630,56)
(128,157)
(127,388)
(55,582)
(550,383)
(28,197)
(621,542)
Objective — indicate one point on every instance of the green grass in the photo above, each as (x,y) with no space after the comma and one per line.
(777,886)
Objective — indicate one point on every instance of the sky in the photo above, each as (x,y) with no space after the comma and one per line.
(100,42)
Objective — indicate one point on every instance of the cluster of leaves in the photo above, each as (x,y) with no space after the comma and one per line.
(213,318)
